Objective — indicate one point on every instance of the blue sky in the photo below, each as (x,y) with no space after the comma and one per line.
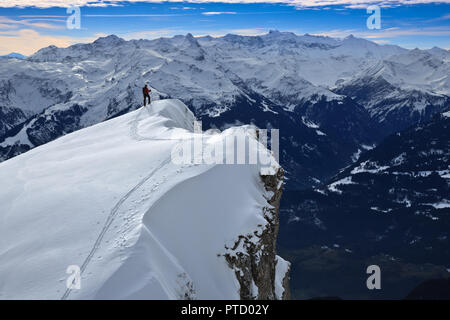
(409,23)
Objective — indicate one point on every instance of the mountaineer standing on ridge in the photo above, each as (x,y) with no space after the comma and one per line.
(146,92)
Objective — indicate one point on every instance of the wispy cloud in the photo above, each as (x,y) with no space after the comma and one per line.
(42,16)
(8,23)
(387,33)
(250,31)
(215,13)
(28,41)
(380,41)
(397,32)
(299,3)
(183,8)
(223,32)
(130,15)
(442,18)
(151,34)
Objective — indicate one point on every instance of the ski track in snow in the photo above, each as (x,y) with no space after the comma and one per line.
(136,136)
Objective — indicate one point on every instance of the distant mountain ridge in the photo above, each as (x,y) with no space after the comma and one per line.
(14,55)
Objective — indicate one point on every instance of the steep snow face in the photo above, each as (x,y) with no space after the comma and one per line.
(111,200)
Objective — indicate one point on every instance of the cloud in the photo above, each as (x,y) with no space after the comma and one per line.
(297,3)
(28,41)
(183,8)
(380,41)
(7,23)
(388,33)
(398,32)
(249,32)
(130,15)
(7,26)
(42,16)
(442,18)
(151,34)
(214,13)
(337,33)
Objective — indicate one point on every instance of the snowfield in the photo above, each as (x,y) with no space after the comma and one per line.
(109,199)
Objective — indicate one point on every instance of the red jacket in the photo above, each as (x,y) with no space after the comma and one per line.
(146,90)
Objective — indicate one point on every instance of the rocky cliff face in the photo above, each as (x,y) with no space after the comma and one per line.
(253,256)
(10,117)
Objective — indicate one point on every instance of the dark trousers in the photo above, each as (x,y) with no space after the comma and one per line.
(145,99)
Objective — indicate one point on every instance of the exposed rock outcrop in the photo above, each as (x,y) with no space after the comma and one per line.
(253,256)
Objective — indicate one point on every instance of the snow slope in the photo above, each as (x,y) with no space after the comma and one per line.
(109,199)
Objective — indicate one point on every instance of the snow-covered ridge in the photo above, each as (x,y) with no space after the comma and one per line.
(109,199)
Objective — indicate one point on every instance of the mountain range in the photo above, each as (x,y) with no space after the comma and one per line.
(363,135)
(330,98)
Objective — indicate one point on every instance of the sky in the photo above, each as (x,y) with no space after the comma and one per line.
(29,25)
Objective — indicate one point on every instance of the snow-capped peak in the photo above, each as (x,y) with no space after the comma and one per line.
(111,40)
